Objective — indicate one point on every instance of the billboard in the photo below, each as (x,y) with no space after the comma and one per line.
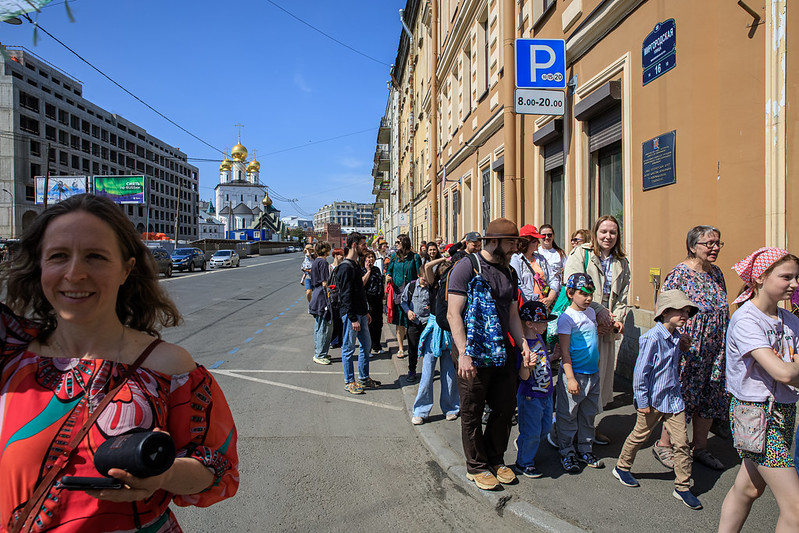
(120,189)
(59,188)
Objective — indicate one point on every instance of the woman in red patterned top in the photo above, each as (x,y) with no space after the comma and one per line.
(88,291)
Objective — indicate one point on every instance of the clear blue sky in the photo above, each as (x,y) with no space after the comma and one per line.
(310,106)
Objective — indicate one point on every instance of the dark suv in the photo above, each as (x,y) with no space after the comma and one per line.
(188,259)
(163,260)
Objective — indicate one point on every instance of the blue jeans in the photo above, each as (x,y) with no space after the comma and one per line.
(348,348)
(449,401)
(535,421)
(321,336)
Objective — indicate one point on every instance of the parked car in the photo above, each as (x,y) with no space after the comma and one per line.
(188,259)
(225,258)
(163,260)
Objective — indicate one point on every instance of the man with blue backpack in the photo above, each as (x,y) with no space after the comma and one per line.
(483,314)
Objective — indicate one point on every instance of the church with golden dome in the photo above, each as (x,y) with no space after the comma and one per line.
(241,200)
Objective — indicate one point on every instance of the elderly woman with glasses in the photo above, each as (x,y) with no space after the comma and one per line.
(703,371)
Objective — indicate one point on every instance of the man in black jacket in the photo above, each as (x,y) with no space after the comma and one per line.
(354,316)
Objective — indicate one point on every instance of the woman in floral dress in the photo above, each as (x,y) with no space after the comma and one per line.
(702,375)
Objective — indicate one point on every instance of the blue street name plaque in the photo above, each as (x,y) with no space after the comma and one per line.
(659,51)
(658,161)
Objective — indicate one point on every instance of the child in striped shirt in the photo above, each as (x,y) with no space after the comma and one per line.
(657,394)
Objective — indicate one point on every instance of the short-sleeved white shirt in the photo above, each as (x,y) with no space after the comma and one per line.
(749,330)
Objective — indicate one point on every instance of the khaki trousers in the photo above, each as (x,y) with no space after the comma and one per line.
(675,424)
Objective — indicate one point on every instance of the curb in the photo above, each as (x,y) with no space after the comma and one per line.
(452,463)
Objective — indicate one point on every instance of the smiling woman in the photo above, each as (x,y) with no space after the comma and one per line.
(82,361)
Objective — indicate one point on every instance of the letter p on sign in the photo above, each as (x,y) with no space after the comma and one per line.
(541,63)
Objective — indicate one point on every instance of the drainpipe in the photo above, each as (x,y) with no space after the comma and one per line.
(509,124)
(433,142)
(406,28)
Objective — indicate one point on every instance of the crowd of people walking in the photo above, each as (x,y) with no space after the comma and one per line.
(524,330)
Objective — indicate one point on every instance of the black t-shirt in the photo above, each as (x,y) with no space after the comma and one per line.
(504,288)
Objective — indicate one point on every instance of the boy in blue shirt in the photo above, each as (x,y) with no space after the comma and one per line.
(578,380)
(657,395)
(534,396)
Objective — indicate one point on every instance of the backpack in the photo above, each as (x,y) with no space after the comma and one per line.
(441,299)
(485,341)
(333,296)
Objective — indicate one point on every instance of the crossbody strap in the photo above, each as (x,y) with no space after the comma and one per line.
(27,516)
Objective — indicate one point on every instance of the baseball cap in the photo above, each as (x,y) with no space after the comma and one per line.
(528,230)
(535,311)
(581,282)
(472,236)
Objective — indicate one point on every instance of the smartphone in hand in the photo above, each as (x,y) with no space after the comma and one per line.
(88,483)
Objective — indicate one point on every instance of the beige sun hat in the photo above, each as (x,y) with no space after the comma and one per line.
(674,299)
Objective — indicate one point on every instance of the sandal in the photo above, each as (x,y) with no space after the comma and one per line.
(707,459)
(664,455)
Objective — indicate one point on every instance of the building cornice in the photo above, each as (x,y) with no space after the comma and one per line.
(597,25)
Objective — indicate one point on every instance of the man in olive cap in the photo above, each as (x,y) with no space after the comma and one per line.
(493,384)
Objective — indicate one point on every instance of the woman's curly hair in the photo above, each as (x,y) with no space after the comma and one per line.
(142,303)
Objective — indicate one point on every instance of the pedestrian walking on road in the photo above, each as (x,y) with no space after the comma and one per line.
(401,270)
(578,380)
(319,306)
(354,316)
(335,337)
(375,290)
(485,358)
(702,376)
(609,271)
(415,303)
(305,280)
(762,376)
(657,396)
(534,395)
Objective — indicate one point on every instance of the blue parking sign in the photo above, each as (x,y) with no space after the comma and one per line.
(541,63)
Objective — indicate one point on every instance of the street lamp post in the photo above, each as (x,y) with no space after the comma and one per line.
(10,210)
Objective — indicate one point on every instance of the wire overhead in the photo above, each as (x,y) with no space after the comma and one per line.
(292,15)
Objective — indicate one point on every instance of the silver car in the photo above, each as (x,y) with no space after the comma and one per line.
(225,258)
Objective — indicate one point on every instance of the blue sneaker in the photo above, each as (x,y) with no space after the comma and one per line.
(528,471)
(625,477)
(687,498)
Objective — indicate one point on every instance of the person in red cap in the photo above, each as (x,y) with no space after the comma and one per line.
(480,382)
(532,268)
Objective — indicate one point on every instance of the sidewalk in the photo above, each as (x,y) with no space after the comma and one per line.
(594,500)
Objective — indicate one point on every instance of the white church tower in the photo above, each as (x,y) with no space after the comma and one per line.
(239,193)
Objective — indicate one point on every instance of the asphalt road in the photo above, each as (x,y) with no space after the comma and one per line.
(312,457)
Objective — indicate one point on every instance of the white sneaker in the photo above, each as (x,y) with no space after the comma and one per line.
(452,416)
(417,420)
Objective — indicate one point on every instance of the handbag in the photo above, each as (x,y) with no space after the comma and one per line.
(750,425)
(24,521)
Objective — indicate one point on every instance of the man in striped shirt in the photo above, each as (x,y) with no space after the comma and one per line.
(657,394)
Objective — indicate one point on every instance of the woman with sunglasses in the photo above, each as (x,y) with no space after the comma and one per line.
(581,236)
(554,254)
(703,372)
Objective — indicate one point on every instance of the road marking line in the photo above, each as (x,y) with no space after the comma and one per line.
(296,372)
(216,365)
(234,350)
(267,325)
(259,331)
(309,391)
(281,314)
(248,339)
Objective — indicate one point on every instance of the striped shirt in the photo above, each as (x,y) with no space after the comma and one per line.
(656,381)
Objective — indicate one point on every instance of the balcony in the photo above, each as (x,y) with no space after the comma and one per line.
(382,191)
(384,132)
(382,157)
(379,178)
